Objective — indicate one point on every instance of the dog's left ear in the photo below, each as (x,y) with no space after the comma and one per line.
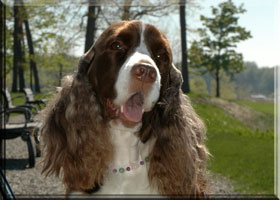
(178,158)
(176,78)
(167,103)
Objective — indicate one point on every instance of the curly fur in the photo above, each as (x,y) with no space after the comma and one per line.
(178,159)
(77,140)
(75,135)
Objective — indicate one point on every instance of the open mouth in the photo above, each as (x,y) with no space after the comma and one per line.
(132,110)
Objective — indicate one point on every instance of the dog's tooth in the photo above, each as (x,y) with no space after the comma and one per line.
(117,112)
(122,109)
(143,110)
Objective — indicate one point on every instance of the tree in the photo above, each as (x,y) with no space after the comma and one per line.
(56,60)
(185,72)
(198,84)
(45,22)
(126,15)
(93,11)
(2,51)
(215,52)
(18,70)
(227,87)
(33,66)
(255,80)
(130,10)
(100,14)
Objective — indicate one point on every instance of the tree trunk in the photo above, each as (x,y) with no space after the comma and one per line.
(126,8)
(18,70)
(2,50)
(21,63)
(185,72)
(90,32)
(36,79)
(2,72)
(16,47)
(60,73)
(217,82)
(31,76)
(33,66)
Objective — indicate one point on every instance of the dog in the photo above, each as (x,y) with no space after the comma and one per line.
(121,124)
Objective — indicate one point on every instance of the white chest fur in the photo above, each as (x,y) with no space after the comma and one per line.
(128,172)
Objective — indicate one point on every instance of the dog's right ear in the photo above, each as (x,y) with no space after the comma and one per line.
(88,56)
(75,138)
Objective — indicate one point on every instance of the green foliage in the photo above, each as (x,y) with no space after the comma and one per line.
(238,152)
(227,87)
(255,80)
(215,50)
(198,85)
(49,21)
(54,67)
(56,29)
(9,39)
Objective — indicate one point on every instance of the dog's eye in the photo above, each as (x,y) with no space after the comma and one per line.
(159,56)
(162,56)
(116,46)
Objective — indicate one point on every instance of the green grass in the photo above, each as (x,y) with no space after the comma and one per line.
(18,98)
(239,152)
(267,110)
(193,95)
(264,107)
(46,96)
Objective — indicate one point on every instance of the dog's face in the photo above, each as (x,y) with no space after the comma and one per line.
(130,64)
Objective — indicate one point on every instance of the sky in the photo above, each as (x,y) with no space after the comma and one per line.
(262,19)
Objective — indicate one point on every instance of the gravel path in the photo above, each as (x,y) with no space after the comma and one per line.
(25,181)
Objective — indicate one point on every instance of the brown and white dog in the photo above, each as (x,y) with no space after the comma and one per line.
(121,125)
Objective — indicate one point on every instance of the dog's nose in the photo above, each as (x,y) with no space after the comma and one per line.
(144,73)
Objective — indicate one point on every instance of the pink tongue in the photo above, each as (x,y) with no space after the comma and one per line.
(132,109)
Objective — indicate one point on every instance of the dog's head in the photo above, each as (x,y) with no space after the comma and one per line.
(128,68)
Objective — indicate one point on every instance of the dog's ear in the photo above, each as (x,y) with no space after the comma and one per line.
(178,157)
(167,103)
(85,61)
(89,55)
(75,138)
(176,78)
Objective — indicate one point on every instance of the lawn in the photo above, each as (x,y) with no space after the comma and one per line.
(267,110)
(18,98)
(264,107)
(239,152)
